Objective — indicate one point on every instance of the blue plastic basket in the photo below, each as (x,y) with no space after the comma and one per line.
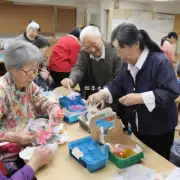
(95,156)
(105,124)
(66,103)
(72,119)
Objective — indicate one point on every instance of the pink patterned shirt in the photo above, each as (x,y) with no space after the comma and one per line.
(17,107)
(168,50)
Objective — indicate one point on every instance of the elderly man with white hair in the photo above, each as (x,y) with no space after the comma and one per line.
(31,32)
(97,63)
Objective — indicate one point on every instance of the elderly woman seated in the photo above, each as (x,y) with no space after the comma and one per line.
(20,98)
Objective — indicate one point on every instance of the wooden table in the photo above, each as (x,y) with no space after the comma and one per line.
(66,168)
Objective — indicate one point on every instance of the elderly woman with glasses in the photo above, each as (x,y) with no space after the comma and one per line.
(20,98)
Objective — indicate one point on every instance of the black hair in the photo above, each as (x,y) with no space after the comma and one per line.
(75,32)
(95,26)
(170,35)
(128,34)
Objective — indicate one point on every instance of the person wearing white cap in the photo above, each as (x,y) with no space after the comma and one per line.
(31,33)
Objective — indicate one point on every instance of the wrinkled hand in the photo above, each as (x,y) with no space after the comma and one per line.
(22,138)
(44,74)
(26,137)
(96,98)
(56,114)
(131,99)
(41,156)
(100,104)
(67,83)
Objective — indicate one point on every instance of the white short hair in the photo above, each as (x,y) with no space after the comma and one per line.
(90,31)
(33,25)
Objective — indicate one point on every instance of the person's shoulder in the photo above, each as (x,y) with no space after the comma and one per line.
(158,56)
(4,83)
(20,37)
(65,41)
(61,42)
(67,38)
(166,42)
(108,45)
(158,59)
(85,54)
(111,50)
(74,42)
(61,39)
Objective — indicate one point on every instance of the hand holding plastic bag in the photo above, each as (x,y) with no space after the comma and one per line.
(101,104)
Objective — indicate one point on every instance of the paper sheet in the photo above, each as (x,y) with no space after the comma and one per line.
(145,20)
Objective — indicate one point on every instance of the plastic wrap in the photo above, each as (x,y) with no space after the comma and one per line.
(47,132)
(175,175)
(136,172)
(27,153)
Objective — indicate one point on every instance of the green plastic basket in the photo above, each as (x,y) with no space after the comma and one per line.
(123,163)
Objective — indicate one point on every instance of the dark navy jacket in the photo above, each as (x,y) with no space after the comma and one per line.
(156,75)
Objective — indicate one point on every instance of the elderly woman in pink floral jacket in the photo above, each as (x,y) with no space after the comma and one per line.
(20,98)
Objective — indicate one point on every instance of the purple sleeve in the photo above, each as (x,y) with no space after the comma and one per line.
(26,173)
(2,177)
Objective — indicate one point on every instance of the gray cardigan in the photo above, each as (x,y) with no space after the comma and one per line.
(96,73)
(23,37)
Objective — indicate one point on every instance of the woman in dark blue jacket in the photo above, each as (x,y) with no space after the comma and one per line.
(146,85)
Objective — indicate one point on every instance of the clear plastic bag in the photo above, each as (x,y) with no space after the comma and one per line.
(175,175)
(136,172)
(74,104)
(47,133)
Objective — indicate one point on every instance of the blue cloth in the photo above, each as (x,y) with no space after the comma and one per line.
(43,85)
(156,75)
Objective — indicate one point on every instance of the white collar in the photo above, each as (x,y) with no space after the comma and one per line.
(140,61)
(102,55)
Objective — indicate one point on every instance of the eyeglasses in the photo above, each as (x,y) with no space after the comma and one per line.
(89,49)
(30,73)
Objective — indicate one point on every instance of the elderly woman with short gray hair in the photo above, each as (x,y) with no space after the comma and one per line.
(20,98)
